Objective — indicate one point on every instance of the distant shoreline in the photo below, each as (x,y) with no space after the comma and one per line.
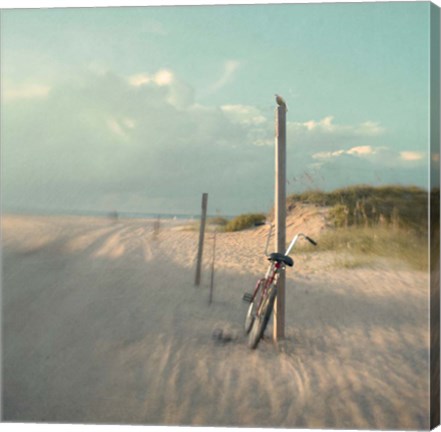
(105,214)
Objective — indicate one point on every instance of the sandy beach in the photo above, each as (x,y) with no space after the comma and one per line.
(102,323)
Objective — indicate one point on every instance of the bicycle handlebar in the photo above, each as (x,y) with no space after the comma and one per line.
(311,240)
(293,241)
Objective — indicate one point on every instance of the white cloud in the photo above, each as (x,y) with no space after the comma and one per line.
(163,77)
(326,126)
(25,91)
(369,164)
(139,80)
(370,128)
(412,155)
(65,152)
(229,69)
(166,77)
(263,142)
(361,150)
(121,127)
(178,93)
(259,131)
(327,155)
(244,114)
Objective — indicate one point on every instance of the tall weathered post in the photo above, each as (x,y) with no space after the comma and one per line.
(280,216)
(201,239)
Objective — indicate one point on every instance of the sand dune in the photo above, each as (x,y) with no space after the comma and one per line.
(102,324)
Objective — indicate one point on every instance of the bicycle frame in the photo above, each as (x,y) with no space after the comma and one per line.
(274,268)
(270,278)
(265,292)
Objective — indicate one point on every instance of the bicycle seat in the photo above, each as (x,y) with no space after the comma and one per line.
(275,256)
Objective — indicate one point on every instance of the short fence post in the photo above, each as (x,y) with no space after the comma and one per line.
(210,300)
(201,239)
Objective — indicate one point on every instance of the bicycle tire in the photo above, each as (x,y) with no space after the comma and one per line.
(262,319)
(251,312)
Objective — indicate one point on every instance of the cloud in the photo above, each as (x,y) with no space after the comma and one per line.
(330,145)
(244,114)
(361,151)
(121,127)
(162,77)
(327,155)
(25,91)
(100,142)
(343,169)
(369,128)
(311,125)
(379,154)
(139,80)
(229,69)
(342,154)
(259,129)
(412,155)
(179,93)
(326,126)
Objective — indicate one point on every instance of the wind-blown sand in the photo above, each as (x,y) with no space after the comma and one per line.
(102,324)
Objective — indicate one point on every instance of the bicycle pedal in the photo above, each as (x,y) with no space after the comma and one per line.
(247,297)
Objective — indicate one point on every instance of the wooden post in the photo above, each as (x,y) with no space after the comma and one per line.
(210,299)
(201,239)
(280,218)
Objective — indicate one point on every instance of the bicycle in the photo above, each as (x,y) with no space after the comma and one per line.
(265,292)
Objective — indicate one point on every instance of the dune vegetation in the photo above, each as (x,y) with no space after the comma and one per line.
(363,223)
(245,221)
(387,221)
(397,206)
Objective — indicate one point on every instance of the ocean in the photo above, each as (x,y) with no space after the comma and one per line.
(97,213)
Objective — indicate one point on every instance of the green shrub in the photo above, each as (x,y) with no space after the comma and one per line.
(245,221)
(218,220)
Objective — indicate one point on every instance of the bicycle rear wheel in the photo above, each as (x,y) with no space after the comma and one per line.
(262,318)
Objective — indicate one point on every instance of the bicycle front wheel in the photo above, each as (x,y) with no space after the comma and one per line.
(262,318)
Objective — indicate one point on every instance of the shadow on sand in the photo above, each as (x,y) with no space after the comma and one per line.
(92,337)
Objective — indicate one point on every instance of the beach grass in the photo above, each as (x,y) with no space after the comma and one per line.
(401,206)
(245,221)
(363,243)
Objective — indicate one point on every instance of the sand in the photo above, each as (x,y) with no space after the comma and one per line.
(102,323)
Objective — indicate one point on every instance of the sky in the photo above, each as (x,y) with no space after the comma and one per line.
(143,109)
